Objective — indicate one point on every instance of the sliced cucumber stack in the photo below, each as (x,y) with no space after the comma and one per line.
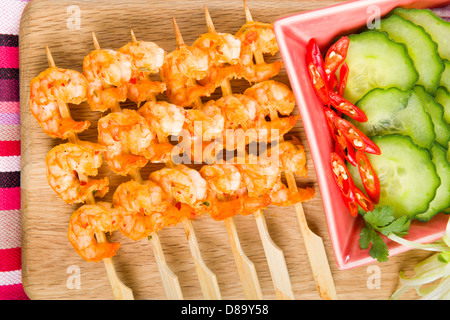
(421,48)
(408,177)
(399,75)
(436,27)
(396,111)
(375,61)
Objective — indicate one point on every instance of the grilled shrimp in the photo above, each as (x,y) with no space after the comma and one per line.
(52,88)
(289,157)
(69,165)
(165,118)
(258,38)
(130,143)
(258,174)
(88,220)
(224,54)
(272,96)
(208,123)
(292,158)
(147,208)
(227,196)
(240,111)
(108,73)
(223,179)
(281,196)
(147,58)
(181,70)
(184,184)
(221,47)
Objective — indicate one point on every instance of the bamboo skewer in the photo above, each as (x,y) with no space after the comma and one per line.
(245,267)
(169,278)
(275,256)
(314,244)
(208,280)
(120,291)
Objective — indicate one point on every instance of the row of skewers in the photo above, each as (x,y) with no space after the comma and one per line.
(128,139)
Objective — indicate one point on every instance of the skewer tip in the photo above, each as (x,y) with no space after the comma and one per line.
(133,36)
(178,36)
(248,15)
(51,62)
(209,22)
(94,39)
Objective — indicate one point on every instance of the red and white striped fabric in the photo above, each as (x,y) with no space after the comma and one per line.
(10,245)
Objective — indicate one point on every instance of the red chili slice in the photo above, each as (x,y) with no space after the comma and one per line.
(358,139)
(364,202)
(336,55)
(340,140)
(316,70)
(343,76)
(352,207)
(369,177)
(333,84)
(347,107)
(351,154)
(342,177)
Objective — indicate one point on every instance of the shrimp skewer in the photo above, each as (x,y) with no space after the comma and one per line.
(52,88)
(245,267)
(182,68)
(314,244)
(257,38)
(147,58)
(170,280)
(121,292)
(208,280)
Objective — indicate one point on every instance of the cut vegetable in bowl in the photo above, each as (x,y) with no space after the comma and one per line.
(387,109)
(409,121)
(375,61)
(396,111)
(403,186)
(435,26)
(420,47)
(385,60)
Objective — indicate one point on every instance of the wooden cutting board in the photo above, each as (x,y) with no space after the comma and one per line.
(49,260)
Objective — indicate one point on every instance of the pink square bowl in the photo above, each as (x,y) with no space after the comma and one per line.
(293,33)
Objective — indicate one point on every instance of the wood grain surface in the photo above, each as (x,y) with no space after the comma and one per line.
(48,258)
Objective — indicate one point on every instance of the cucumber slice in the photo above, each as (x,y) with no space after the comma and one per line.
(396,111)
(436,112)
(436,27)
(443,98)
(375,61)
(445,78)
(408,177)
(442,199)
(421,48)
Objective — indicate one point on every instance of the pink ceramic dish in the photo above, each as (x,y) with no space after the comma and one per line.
(293,34)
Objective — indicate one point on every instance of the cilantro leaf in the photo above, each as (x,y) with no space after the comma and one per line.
(398,227)
(380,217)
(381,220)
(379,249)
